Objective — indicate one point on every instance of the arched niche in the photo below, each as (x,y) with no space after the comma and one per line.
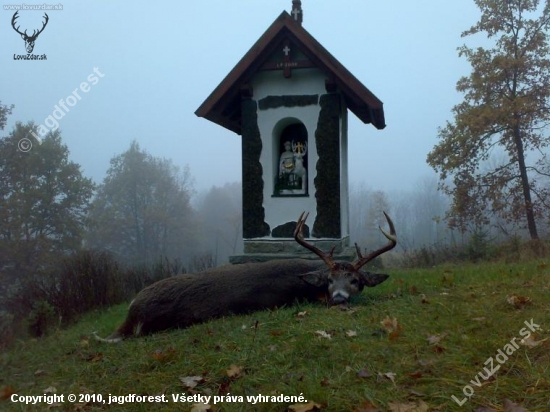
(290,158)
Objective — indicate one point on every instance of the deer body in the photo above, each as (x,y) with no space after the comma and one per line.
(185,300)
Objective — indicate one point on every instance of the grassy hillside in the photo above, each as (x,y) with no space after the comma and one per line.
(407,345)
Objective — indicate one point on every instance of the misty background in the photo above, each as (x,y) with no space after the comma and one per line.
(158,62)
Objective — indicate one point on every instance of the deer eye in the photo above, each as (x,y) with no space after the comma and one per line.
(330,281)
(354,282)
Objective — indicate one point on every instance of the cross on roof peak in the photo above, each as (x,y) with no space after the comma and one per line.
(297,12)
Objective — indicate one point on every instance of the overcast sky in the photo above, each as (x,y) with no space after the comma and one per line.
(160,60)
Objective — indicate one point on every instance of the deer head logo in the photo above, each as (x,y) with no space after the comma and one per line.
(29,40)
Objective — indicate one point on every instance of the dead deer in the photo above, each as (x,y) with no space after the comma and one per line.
(184,300)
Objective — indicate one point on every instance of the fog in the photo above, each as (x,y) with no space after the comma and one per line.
(148,66)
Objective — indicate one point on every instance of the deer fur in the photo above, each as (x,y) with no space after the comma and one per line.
(184,300)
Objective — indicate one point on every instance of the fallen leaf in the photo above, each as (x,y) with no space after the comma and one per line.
(323,334)
(50,389)
(234,371)
(433,339)
(480,319)
(275,332)
(416,393)
(367,406)
(394,335)
(510,406)
(351,333)
(424,298)
(191,381)
(325,381)
(200,407)
(304,407)
(408,407)
(518,301)
(84,341)
(391,324)
(531,342)
(415,375)
(6,392)
(438,349)
(39,372)
(164,355)
(387,375)
(302,314)
(364,373)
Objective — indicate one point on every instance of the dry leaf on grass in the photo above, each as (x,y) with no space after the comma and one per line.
(164,355)
(304,407)
(421,406)
(200,407)
(323,334)
(391,326)
(351,333)
(50,389)
(387,375)
(6,392)
(191,381)
(234,371)
(302,314)
(518,301)
(433,339)
(367,406)
(510,406)
(530,341)
(364,373)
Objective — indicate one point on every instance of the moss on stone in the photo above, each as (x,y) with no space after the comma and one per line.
(253,184)
(327,181)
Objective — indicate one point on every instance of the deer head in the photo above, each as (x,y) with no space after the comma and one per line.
(345,279)
(29,40)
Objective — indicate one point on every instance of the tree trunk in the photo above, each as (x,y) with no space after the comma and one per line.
(525,186)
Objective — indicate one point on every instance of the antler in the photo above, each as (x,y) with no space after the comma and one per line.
(15,16)
(362,260)
(42,29)
(298,235)
(34,33)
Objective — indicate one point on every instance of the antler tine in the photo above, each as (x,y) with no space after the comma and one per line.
(299,237)
(43,24)
(392,237)
(358,250)
(15,16)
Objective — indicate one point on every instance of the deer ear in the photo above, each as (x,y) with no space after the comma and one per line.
(318,278)
(372,279)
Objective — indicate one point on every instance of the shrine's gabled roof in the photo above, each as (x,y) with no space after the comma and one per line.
(223,106)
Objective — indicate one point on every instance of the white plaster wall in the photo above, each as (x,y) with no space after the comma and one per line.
(280,210)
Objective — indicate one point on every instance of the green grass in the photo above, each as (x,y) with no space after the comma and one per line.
(284,355)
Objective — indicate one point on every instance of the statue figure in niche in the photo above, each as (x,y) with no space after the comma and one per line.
(292,177)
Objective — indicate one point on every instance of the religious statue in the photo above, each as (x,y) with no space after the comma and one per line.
(292,177)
